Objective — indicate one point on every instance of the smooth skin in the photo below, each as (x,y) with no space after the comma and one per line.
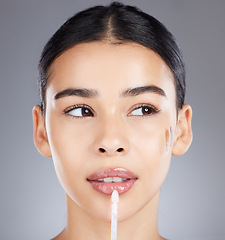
(145,125)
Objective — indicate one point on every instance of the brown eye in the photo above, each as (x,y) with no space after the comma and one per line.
(86,112)
(79,112)
(144,111)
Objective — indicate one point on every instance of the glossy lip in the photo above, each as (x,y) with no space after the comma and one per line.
(107,188)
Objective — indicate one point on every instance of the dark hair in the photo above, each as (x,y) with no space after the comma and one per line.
(116,23)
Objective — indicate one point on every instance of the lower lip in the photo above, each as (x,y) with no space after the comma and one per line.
(108,188)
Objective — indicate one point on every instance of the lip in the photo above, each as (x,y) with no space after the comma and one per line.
(108,187)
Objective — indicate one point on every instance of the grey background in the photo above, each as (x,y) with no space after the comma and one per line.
(192,204)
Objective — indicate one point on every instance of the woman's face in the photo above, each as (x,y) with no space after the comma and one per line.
(110,112)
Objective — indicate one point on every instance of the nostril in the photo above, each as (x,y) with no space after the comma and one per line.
(102,150)
(119,149)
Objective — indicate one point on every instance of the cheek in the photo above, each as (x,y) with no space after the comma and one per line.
(68,162)
(153,147)
(154,137)
(67,152)
(65,137)
(157,161)
(156,148)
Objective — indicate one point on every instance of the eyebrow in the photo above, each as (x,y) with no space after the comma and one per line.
(140,90)
(88,93)
(80,92)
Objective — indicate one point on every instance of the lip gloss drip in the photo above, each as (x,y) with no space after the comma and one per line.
(114,210)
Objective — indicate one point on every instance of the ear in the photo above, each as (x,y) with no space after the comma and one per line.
(183,133)
(40,134)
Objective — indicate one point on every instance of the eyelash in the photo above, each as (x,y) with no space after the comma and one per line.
(83,107)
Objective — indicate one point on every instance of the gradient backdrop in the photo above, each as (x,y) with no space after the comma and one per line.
(192,204)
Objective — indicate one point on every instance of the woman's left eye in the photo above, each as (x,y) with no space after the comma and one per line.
(79,111)
(144,111)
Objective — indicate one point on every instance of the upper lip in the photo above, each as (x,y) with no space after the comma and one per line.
(112,172)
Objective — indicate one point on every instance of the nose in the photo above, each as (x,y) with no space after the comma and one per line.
(111,139)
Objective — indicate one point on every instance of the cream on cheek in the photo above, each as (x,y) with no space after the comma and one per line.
(169,138)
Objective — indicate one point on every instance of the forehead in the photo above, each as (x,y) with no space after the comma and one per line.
(114,66)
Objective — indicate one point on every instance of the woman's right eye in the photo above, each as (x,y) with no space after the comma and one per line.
(79,111)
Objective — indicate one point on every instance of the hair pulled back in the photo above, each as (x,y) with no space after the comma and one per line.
(117,24)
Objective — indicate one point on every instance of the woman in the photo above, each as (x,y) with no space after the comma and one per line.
(112,87)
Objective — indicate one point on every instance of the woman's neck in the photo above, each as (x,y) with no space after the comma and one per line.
(81,225)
